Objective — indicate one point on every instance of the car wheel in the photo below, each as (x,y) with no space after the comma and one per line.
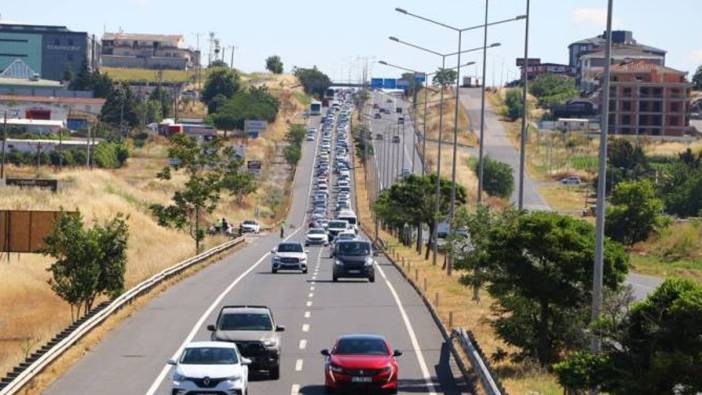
(329,390)
(392,391)
(304,271)
(274,271)
(335,278)
(275,372)
(371,279)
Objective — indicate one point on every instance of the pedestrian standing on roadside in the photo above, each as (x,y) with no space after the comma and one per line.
(282,229)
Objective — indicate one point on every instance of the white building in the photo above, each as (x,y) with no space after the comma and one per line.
(76,112)
(40,145)
(151,51)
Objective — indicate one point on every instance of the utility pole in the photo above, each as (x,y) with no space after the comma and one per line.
(482,110)
(525,112)
(596,344)
(4,141)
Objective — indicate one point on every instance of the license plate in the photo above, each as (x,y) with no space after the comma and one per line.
(361,379)
(354,271)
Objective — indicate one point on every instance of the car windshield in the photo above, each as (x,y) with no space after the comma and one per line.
(347,236)
(249,222)
(337,224)
(351,220)
(209,356)
(364,346)
(358,248)
(246,322)
(317,231)
(290,247)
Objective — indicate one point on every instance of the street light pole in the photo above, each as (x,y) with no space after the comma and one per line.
(424,126)
(452,208)
(482,110)
(4,141)
(437,206)
(525,112)
(601,184)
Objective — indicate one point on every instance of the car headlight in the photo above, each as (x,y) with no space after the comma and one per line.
(178,377)
(270,342)
(303,259)
(338,262)
(335,368)
(233,378)
(369,262)
(387,369)
(276,258)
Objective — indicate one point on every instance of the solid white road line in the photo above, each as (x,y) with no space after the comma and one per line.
(166,368)
(413,337)
(303,344)
(295,389)
(298,365)
(305,327)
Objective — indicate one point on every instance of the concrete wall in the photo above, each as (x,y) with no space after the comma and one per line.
(148,63)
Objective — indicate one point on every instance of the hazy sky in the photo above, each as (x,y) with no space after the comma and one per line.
(336,35)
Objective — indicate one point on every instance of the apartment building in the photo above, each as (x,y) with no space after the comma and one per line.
(648,99)
(151,51)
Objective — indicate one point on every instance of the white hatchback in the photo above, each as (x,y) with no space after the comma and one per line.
(210,367)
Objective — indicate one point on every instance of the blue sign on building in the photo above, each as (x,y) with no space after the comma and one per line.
(402,84)
(420,78)
(390,83)
(376,83)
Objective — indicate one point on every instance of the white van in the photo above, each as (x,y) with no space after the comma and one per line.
(350,217)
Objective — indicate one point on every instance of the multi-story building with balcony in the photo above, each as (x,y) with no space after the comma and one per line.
(151,51)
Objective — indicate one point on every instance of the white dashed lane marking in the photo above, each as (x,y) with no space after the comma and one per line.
(303,344)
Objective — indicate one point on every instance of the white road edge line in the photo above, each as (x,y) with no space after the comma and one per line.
(413,337)
(166,368)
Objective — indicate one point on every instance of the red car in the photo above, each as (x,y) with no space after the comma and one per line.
(361,363)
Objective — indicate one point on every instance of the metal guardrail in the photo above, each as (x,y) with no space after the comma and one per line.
(25,371)
(477,359)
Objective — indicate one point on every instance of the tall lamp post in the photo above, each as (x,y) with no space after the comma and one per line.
(460,31)
(443,57)
(525,112)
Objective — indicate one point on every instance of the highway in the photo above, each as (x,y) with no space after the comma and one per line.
(131,359)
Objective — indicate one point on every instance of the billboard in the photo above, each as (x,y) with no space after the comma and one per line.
(254,166)
(253,128)
(389,83)
(24,230)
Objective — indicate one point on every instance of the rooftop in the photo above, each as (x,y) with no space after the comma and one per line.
(644,67)
(142,37)
(625,50)
(52,99)
(40,83)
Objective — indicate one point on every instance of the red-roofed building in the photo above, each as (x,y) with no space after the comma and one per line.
(648,99)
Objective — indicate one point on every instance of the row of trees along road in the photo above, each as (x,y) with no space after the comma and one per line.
(210,167)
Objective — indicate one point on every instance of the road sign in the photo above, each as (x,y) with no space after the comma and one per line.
(389,83)
(254,166)
(376,83)
(402,84)
(253,128)
(420,77)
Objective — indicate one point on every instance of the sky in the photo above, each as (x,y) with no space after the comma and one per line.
(339,37)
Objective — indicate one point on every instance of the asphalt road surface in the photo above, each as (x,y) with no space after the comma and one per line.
(131,359)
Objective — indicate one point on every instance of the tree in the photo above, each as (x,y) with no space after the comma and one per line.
(314,82)
(656,348)
(697,79)
(67,75)
(238,181)
(222,81)
(294,137)
(164,98)
(83,80)
(636,212)
(540,275)
(412,83)
(362,137)
(216,103)
(121,108)
(274,64)
(217,63)
(89,262)
(254,103)
(102,84)
(203,165)
(445,77)
(497,177)
(515,106)
(553,90)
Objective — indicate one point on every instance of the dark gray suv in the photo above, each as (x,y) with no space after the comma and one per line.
(353,258)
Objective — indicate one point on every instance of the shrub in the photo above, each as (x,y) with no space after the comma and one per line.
(497,177)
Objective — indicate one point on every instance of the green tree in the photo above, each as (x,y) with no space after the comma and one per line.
(222,81)
(253,103)
(164,98)
(497,177)
(553,90)
(314,82)
(101,84)
(83,80)
(540,275)
(362,137)
(67,75)
(274,64)
(238,181)
(445,77)
(656,348)
(88,262)
(216,103)
(203,164)
(121,108)
(697,79)
(514,104)
(218,63)
(635,212)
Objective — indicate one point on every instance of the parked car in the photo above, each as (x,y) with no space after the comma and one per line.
(255,333)
(362,363)
(353,258)
(572,180)
(290,255)
(250,226)
(210,366)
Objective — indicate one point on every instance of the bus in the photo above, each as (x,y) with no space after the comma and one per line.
(315,108)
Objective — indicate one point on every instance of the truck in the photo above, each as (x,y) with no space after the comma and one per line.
(315,107)
(469,82)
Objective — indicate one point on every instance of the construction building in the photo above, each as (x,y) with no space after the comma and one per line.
(648,99)
(150,51)
(535,68)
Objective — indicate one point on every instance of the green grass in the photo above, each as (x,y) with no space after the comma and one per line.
(586,163)
(148,75)
(656,266)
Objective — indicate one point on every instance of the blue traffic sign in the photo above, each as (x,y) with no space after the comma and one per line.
(376,83)
(389,83)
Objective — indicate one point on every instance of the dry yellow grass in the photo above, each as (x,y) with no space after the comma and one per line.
(455,299)
(465,136)
(25,297)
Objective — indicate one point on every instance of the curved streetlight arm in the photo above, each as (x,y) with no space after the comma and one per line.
(493,45)
(516,18)
(416,46)
(403,11)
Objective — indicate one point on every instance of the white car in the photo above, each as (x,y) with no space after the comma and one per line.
(250,226)
(289,255)
(210,367)
(316,236)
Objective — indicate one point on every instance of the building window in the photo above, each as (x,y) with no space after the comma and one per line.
(70,41)
(626,106)
(627,92)
(626,119)
(69,57)
(675,107)
(673,121)
(57,42)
